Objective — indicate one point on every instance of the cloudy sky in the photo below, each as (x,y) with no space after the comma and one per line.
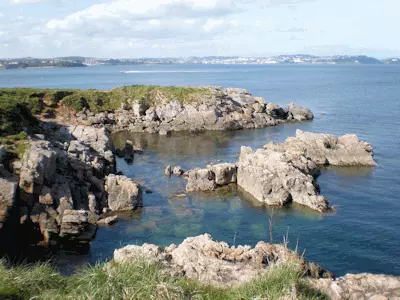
(162,28)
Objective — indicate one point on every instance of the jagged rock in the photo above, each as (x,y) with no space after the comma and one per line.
(273,179)
(201,258)
(139,109)
(215,108)
(224,173)
(299,113)
(201,180)
(123,193)
(178,171)
(8,197)
(326,149)
(359,286)
(168,171)
(108,221)
(75,226)
(38,167)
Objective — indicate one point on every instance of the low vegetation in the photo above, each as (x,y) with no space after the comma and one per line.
(97,101)
(141,280)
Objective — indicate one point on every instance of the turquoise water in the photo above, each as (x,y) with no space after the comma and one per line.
(362,236)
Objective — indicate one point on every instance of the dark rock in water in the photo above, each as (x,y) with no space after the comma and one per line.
(120,153)
(128,152)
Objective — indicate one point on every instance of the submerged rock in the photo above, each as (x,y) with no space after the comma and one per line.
(123,193)
(216,263)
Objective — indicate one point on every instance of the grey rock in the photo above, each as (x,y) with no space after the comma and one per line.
(8,198)
(326,149)
(38,167)
(201,180)
(75,226)
(216,263)
(108,221)
(139,109)
(299,113)
(123,193)
(272,179)
(168,171)
(359,286)
(178,171)
(224,173)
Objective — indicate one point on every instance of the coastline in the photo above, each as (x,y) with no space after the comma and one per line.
(77,224)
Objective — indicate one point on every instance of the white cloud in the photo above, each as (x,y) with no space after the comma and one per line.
(25,1)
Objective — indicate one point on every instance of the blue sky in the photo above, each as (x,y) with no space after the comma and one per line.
(161,28)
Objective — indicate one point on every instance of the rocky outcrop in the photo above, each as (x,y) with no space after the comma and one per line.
(216,263)
(273,179)
(61,185)
(326,149)
(285,172)
(215,108)
(123,193)
(359,286)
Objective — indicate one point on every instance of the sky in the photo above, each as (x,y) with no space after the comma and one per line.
(174,28)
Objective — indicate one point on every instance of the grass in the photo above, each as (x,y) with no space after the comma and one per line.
(98,101)
(141,280)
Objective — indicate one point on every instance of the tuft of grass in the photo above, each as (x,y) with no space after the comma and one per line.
(143,280)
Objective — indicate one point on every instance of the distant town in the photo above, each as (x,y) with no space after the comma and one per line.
(76,61)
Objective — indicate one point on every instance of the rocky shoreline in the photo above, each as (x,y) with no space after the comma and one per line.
(216,108)
(210,262)
(66,184)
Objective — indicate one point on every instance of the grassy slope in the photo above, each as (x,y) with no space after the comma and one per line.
(139,280)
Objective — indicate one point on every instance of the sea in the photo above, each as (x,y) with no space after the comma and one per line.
(363,235)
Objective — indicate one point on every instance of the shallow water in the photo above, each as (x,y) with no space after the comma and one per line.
(362,236)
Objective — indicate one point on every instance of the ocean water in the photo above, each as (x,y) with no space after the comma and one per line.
(362,236)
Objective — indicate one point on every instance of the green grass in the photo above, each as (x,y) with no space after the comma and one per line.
(141,280)
(96,100)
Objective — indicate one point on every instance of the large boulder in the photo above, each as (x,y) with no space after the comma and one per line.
(224,173)
(326,149)
(201,180)
(273,179)
(211,262)
(38,167)
(123,193)
(359,286)
(298,113)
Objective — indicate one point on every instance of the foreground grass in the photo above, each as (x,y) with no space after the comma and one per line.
(140,280)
